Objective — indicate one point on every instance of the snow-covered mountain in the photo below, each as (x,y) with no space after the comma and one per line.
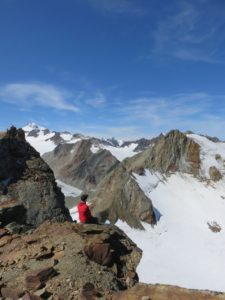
(44,140)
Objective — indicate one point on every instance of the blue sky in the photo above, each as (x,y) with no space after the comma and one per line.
(123,68)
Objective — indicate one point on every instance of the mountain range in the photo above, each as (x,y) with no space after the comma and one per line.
(172,187)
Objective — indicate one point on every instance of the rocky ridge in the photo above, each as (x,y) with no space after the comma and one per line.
(77,165)
(174,152)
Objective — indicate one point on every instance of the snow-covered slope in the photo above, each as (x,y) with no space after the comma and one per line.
(119,152)
(186,247)
(182,249)
(42,143)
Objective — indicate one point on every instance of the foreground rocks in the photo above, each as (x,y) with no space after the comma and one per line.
(67,260)
(165,292)
(60,261)
(29,194)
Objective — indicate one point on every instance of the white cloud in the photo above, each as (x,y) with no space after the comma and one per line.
(28,95)
(182,111)
(97,100)
(191,30)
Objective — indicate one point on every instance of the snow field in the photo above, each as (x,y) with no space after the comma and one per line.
(181,249)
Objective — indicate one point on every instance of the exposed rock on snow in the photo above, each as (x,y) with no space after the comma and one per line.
(215,174)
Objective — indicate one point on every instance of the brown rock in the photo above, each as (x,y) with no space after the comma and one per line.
(215,174)
(193,156)
(28,296)
(88,292)
(11,293)
(35,279)
(5,240)
(3,232)
(99,253)
(58,255)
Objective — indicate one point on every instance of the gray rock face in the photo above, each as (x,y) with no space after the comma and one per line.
(120,197)
(76,165)
(29,184)
(173,152)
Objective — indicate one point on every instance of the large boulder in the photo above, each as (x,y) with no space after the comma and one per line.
(30,194)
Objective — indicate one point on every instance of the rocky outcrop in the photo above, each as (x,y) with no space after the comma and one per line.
(77,165)
(215,174)
(120,197)
(172,152)
(66,260)
(29,194)
(165,292)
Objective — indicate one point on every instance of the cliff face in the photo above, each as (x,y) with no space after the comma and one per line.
(120,197)
(171,153)
(77,165)
(29,194)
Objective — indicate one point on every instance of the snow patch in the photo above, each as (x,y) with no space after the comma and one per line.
(121,152)
(94,149)
(68,190)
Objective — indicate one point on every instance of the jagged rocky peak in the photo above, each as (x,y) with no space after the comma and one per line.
(172,152)
(29,194)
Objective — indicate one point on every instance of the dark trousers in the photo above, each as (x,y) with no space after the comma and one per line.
(93,220)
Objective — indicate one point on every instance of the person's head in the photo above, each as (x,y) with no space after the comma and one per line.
(84,197)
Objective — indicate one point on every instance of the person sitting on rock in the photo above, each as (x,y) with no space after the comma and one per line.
(84,212)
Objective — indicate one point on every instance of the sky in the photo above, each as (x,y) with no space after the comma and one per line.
(122,68)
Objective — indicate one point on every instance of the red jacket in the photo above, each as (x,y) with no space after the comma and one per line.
(84,212)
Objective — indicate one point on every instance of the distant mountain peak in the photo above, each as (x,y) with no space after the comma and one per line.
(33,126)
